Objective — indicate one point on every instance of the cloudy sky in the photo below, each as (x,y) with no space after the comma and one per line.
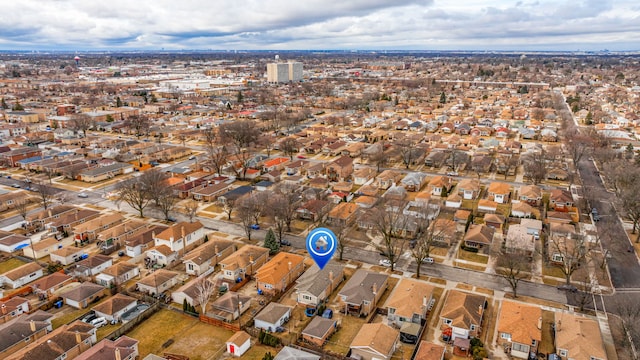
(320,24)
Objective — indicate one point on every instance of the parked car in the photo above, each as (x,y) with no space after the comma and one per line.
(285,242)
(255,227)
(83,195)
(17,186)
(310,312)
(452,173)
(428,260)
(385,262)
(327,314)
(99,322)
(89,317)
(567,287)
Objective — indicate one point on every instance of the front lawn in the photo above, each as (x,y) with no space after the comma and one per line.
(473,257)
(10,264)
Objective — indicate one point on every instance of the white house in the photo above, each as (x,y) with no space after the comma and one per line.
(93,265)
(180,236)
(113,308)
(162,255)
(22,275)
(315,285)
(272,316)
(238,343)
(66,255)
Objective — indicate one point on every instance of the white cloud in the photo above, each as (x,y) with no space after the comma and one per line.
(319,24)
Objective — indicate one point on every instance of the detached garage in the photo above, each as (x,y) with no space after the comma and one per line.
(239,343)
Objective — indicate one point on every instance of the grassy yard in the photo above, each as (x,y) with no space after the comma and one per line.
(471,256)
(67,317)
(257,351)
(552,271)
(340,341)
(10,264)
(190,337)
(470,267)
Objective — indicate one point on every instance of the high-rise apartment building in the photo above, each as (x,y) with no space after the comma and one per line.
(284,72)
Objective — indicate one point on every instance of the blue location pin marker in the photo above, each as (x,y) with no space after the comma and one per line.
(321,244)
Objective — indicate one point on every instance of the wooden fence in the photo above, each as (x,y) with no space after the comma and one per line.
(223,324)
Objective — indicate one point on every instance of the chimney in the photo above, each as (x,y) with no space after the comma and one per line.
(78,337)
(374,288)
(216,250)
(250,259)
(32,326)
(4,309)
(289,265)
(153,234)
(480,308)
(424,301)
(559,325)
(117,354)
(183,232)
(49,212)
(331,276)
(540,323)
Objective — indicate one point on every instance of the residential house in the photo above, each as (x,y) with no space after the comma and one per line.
(313,209)
(342,214)
(519,241)
(479,236)
(521,209)
(469,189)
(531,194)
(12,307)
(42,248)
(21,275)
(430,351)
(88,231)
(499,192)
(91,266)
(360,295)
(114,307)
(244,262)
(67,221)
(207,256)
(48,285)
(157,282)
(410,302)
(229,306)
(414,181)
(485,205)
(209,192)
(340,169)
(138,243)
(578,337)
(22,331)
(238,343)
(462,312)
(161,255)
(461,218)
(315,286)
(297,167)
(273,316)
(443,232)
(519,329)
(65,342)
(181,236)
(289,353)
(279,272)
(42,217)
(375,341)
(83,295)
(188,292)
(319,330)
(123,348)
(10,242)
(440,185)
(100,173)
(9,200)
(118,274)
(494,221)
(560,200)
(275,164)
(559,246)
(363,175)
(67,255)
(388,178)
(534,227)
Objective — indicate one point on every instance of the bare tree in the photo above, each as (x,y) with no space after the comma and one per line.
(22,207)
(568,253)
(343,240)
(628,309)
(228,206)
(190,209)
(408,152)
(241,136)
(289,147)
(535,166)
(247,211)
(166,201)
(45,192)
(427,234)
(139,191)
(204,290)
(378,157)
(140,124)
(81,123)
(513,267)
(389,222)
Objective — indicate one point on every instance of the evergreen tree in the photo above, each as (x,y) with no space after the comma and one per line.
(240,97)
(267,356)
(18,106)
(118,102)
(270,242)
(3,104)
(443,98)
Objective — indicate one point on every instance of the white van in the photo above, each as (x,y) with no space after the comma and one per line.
(99,322)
